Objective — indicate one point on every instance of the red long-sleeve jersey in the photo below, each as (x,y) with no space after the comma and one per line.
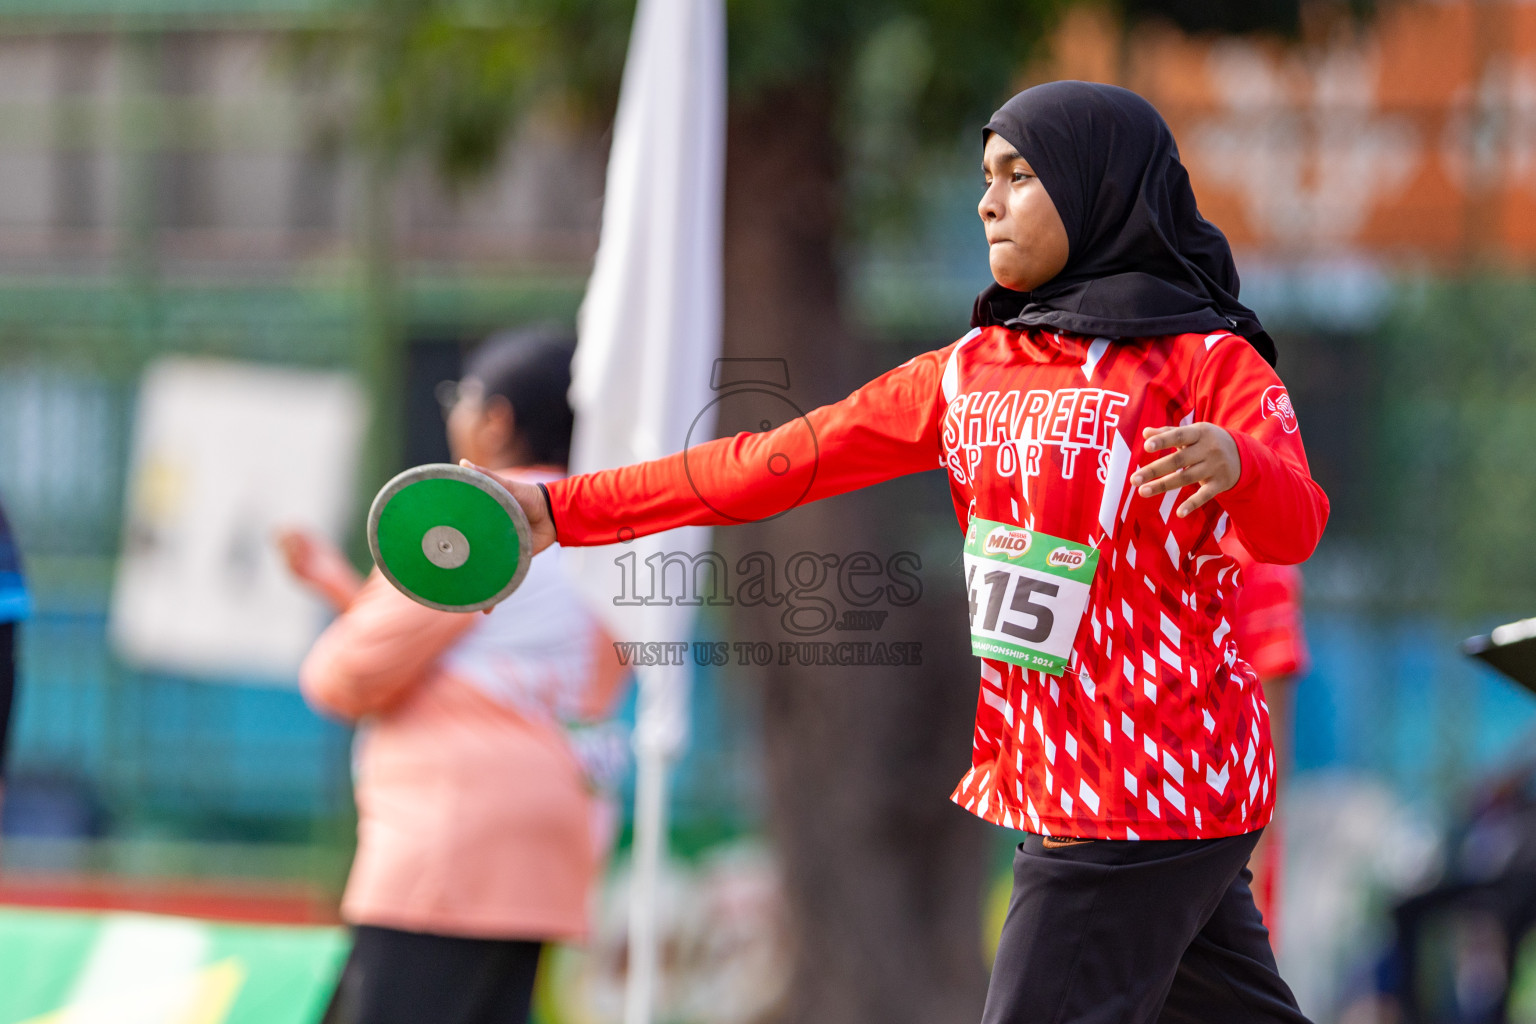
(1156,729)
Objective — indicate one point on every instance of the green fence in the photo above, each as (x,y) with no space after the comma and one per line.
(109,758)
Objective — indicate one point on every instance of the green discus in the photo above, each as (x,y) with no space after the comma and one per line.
(449,537)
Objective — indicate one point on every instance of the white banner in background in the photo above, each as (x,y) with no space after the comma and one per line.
(225,454)
(649,330)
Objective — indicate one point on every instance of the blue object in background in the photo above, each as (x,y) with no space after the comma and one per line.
(1395,697)
(15,604)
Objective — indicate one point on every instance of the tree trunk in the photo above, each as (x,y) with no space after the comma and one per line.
(884,875)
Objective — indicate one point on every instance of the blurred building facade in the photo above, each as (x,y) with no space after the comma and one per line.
(208,136)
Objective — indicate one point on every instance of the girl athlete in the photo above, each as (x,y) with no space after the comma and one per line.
(1109,418)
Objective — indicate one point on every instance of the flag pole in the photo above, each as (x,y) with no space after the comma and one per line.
(653,761)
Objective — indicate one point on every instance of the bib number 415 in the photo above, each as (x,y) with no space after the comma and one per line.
(1027,593)
(1022,607)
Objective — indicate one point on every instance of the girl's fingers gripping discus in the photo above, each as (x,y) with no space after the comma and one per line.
(449,537)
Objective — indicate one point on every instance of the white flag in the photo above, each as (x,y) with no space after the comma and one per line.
(649,329)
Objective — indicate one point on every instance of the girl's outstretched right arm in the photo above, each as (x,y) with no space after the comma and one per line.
(885,429)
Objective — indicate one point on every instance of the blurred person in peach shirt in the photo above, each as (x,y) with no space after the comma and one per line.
(481,824)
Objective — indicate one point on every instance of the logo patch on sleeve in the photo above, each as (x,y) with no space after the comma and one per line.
(1277,403)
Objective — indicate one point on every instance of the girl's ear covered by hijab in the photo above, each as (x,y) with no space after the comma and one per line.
(1143,261)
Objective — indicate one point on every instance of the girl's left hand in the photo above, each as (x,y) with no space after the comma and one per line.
(1205,454)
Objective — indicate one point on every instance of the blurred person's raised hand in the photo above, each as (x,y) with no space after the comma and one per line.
(532,501)
(316,563)
(1204,455)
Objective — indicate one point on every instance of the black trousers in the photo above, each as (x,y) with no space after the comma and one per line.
(398,977)
(1148,932)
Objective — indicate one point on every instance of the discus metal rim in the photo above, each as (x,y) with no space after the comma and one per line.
(481,481)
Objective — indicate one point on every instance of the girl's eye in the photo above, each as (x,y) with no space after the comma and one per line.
(1019,176)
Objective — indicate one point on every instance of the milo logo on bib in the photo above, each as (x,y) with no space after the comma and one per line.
(1066,558)
(1027,592)
(1008,541)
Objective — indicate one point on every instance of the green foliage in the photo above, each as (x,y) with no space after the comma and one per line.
(1457,446)
(449,77)
(915,81)
(943,59)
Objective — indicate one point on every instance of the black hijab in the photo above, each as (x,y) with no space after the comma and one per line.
(1142,260)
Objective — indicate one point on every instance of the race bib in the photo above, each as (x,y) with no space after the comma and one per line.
(1027,592)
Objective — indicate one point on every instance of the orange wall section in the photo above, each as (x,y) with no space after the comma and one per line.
(1409,138)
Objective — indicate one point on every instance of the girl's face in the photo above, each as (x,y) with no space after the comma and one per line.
(1026,238)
